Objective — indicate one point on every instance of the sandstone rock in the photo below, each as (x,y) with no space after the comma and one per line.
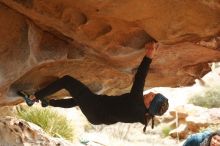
(7,111)
(203,119)
(214,115)
(101,43)
(187,109)
(167,118)
(195,123)
(193,117)
(180,132)
(178,114)
(21,133)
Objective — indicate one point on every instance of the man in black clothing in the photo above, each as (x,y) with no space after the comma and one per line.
(103,109)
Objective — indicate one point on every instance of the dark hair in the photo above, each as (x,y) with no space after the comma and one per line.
(213,134)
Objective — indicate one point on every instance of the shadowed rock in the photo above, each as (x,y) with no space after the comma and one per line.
(102,43)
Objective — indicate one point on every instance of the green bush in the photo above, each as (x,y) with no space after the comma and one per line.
(49,120)
(166,130)
(210,97)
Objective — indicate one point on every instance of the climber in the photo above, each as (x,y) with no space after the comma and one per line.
(103,109)
(205,138)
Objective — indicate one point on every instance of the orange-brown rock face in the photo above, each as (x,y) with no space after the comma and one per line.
(102,42)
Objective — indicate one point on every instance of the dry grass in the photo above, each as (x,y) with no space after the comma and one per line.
(49,120)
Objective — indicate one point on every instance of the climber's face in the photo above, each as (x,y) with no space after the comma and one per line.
(215,141)
(148,99)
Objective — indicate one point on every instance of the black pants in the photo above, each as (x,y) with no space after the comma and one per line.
(82,96)
(77,90)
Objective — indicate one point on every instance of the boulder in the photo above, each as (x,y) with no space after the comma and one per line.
(18,132)
(101,43)
(180,132)
(196,118)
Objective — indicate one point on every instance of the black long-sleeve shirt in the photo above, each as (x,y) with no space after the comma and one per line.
(128,108)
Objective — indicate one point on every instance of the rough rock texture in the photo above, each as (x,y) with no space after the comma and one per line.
(187,119)
(17,132)
(102,42)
